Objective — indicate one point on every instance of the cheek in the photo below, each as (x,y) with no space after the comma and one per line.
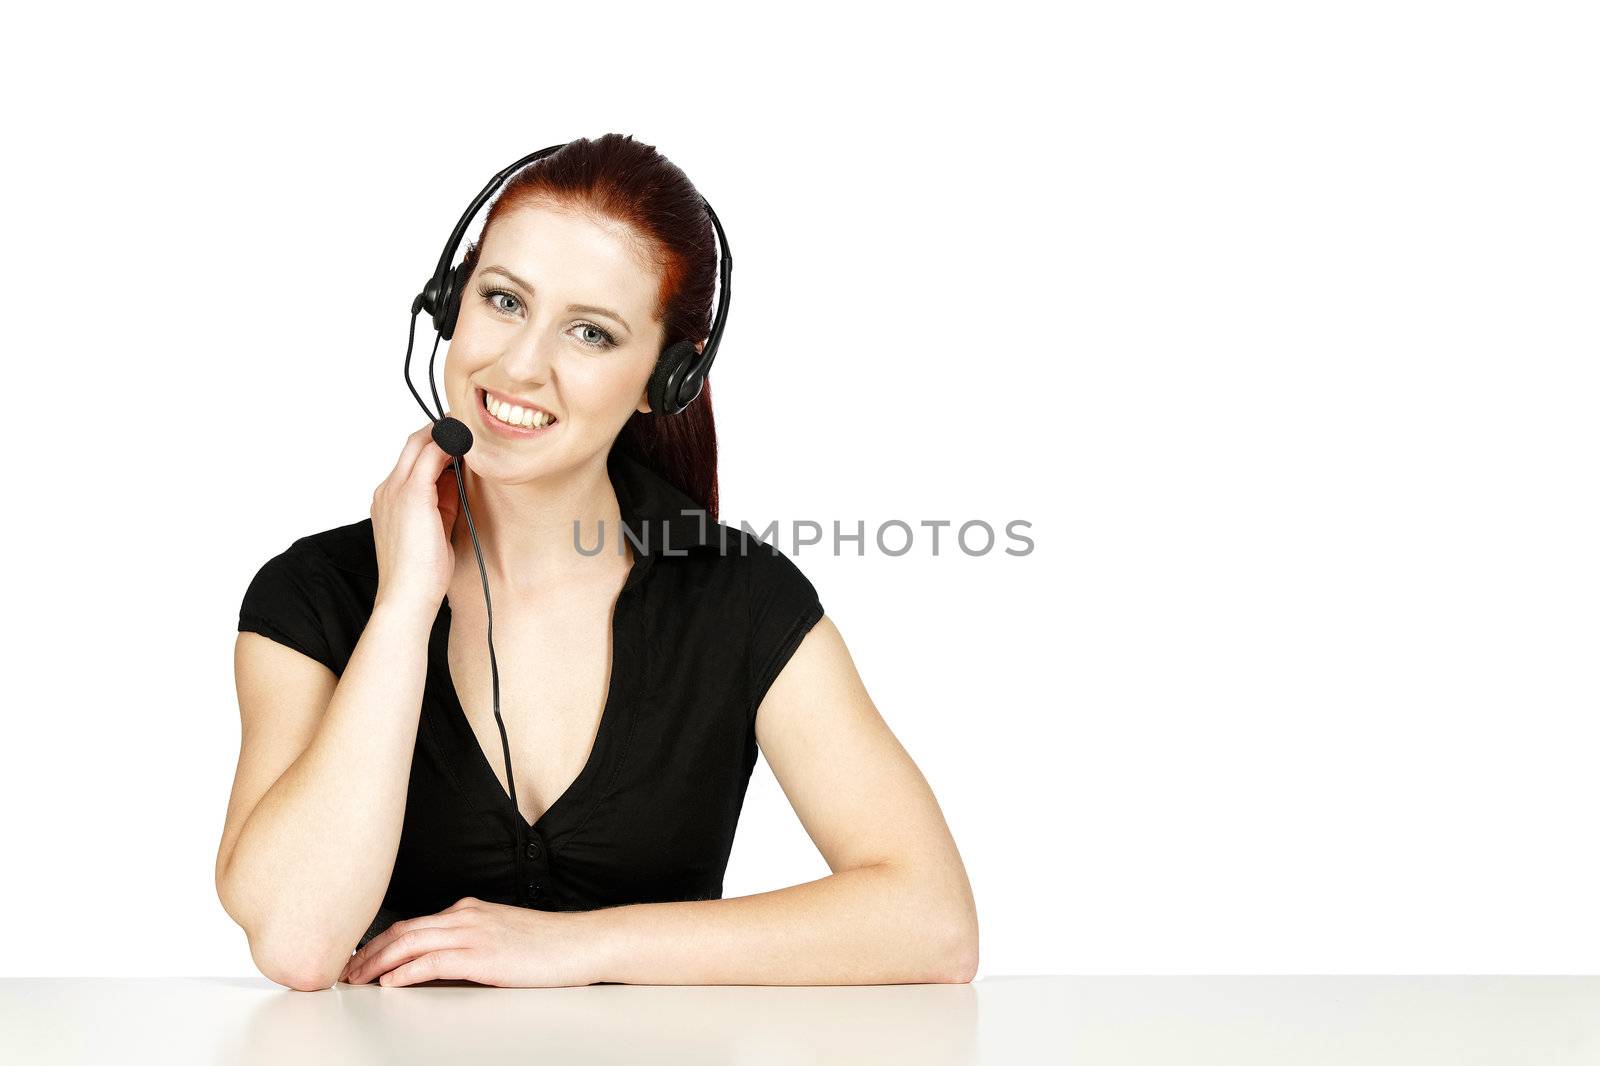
(605,385)
(460,360)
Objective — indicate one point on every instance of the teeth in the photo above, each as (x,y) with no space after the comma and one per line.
(513,415)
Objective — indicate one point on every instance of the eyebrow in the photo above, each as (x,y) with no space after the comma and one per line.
(589,308)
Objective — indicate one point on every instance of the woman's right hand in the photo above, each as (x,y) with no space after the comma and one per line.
(413,518)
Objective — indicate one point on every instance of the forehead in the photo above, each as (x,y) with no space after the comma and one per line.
(573,257)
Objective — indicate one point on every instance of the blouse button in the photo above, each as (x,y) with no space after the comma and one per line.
(533,849)
(533,891)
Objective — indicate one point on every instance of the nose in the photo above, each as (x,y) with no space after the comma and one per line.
(529,358)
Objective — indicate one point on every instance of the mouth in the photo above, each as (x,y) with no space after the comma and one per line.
(513,420)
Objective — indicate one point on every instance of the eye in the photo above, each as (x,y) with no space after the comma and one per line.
(606,340)
(595,337)
(490,293)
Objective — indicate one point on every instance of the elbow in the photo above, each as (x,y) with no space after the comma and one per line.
(961,960)
(965,969)
(280,954)
(303,980)
(951,958)
(300,970)
(295,968)
(302,974)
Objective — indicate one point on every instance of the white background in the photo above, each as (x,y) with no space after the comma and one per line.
(1277,322)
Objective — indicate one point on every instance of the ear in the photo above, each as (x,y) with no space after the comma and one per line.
(643,406)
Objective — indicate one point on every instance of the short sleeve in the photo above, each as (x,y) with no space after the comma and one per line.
(282,602)
(783,608)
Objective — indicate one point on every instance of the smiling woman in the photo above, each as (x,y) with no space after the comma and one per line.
(638,684)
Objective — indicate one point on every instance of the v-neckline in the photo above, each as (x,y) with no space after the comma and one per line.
(581,794)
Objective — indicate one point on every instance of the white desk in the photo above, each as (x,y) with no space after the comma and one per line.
(1085,1021)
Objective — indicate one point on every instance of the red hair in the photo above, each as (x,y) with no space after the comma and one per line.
(617,177)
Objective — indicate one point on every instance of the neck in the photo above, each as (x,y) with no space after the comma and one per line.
(525,529)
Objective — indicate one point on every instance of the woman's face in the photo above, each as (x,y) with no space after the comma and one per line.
(560,313)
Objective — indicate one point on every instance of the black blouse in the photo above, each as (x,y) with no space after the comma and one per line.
(707,617)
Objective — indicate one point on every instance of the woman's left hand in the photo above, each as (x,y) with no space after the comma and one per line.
(489,943)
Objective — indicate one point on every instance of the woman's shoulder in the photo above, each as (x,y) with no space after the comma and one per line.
(329,571)
(780,603)
(349,548)
(767,574)
(316,594)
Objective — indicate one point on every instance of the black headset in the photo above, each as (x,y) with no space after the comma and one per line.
(676,381)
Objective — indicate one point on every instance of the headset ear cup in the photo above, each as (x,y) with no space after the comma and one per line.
(450,300)
(666,379)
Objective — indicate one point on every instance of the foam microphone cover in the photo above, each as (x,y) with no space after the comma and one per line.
(452,436)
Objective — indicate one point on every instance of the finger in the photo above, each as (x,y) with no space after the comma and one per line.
(401,950)
(446,964)
(405,925)
(408,454)
(395,944)
(365,953)
(394,929)
(430,462)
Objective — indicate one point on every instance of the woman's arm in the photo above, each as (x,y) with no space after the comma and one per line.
(898,907)
(313,826)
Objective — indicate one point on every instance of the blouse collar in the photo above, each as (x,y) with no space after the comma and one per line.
(661,519)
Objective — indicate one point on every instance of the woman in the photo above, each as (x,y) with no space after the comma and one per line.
(636,681)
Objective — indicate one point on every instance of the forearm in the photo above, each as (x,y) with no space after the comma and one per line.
(872,925)
(313,860)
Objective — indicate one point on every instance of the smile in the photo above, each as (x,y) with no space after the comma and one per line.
(512,419)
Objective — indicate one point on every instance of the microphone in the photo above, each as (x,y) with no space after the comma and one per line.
(452,436)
